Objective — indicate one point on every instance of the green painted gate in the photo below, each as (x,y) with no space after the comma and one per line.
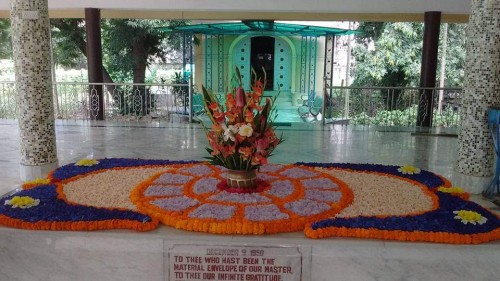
(282,63)
(241,59)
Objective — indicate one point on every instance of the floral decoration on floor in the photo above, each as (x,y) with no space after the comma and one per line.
(323,199)
(188,198)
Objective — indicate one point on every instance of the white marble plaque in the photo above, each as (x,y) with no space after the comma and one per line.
(249,263)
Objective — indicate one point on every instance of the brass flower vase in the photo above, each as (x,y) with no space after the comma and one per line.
(242,179)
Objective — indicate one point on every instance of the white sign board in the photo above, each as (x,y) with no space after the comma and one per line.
(30,15)
(249,263)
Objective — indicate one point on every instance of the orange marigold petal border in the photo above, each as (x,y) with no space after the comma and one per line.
(293,208)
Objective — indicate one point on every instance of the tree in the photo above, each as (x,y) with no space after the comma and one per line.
(131,45)
(455,55)
(70,44)
(390,55)
(5,39)
(68,41)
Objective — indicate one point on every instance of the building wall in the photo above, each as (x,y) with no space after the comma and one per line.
(232,41)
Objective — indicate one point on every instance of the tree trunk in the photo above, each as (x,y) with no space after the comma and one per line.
(442,74)
(139,73)
(139,53)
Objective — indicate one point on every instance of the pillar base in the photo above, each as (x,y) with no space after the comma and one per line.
(40,171)
(471,184)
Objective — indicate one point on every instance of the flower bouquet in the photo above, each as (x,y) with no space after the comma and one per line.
(242,135)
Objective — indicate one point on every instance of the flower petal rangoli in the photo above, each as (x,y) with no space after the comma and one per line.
(293,196)
(321,199)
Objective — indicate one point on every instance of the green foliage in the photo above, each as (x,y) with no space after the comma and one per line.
(180,92)
(68,41)
(369,32)
(448,118)
(400,118)
(389,54)
(406,118)
(394,58)
(455,55)
(5,39)
(130,45)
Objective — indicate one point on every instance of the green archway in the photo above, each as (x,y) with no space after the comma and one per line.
(285,64)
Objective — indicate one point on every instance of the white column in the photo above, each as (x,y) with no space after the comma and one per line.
(481,90)
(31,50)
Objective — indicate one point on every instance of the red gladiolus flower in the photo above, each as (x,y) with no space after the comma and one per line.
(269,133)
(214,106)
(262,145)
(219,117)
(239,138)
(240,97)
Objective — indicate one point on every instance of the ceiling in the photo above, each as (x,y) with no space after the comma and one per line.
(353,10)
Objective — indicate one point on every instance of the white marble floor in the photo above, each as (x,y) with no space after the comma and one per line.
(124,255)
(304,142)
(307,142)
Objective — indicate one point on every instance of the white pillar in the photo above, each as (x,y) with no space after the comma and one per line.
(481,90)
(31,50)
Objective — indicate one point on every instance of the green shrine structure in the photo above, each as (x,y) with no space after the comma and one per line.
(290,54)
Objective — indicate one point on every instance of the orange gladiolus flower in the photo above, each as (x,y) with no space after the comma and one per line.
(230,101)
(231,117)
(216,128)
(245,152)
(249,116)
(227,150)
(259,159)
(236,125)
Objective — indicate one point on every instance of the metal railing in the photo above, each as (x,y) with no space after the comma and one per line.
(392,106)
(8,104)
(383,106)
(121,101)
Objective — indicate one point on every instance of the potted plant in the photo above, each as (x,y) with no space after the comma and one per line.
(242,135)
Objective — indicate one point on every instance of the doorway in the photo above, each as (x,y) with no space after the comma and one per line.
(262,58)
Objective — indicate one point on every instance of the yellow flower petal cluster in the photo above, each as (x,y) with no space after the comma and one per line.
(470,217)
(454,189)
(22,202)
(409,169)
(37,181)
(87,162)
